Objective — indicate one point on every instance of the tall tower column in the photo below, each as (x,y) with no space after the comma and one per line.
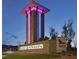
(26,29)
(42,25)
(31,11)
(34,25)
(28,14)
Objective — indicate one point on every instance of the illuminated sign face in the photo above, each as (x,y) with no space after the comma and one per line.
(38,46)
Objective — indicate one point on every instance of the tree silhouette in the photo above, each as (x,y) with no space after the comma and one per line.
(71,32)
(46,38)
(65,31)
(68,33)
(53,34)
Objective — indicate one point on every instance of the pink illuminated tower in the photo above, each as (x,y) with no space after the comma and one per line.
(34,21)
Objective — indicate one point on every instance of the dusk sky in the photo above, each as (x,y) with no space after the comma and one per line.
(14,21)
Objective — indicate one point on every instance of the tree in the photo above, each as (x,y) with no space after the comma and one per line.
(53,34)
(46,38)
(71,32)
(65,31)
(68,33)
(71,35)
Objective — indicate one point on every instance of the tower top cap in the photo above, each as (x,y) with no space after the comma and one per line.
(35,5)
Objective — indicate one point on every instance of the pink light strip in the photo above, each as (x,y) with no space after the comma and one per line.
(39,10)
(28,12)
(34,8)
(28,27)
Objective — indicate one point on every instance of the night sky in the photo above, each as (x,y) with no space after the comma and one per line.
(14,21)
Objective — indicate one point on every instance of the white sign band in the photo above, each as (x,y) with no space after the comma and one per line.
(38,46)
